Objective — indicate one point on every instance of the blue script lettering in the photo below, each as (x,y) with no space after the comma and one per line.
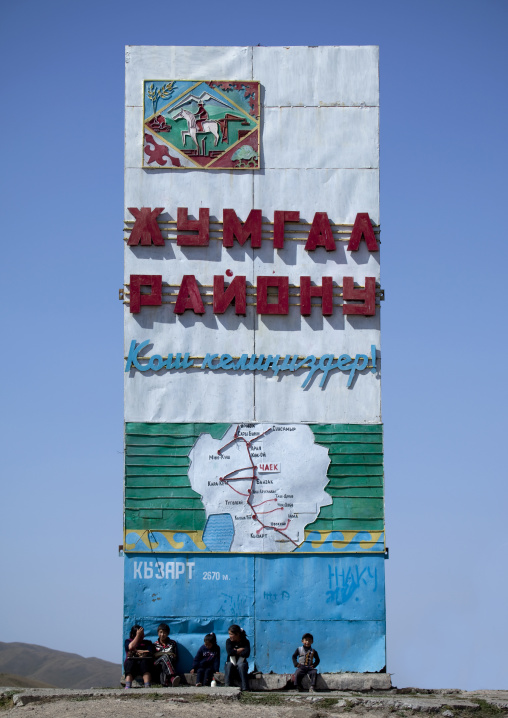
(132,358)
(255,362)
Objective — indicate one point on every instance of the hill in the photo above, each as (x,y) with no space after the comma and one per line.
(56,668)
(9,680)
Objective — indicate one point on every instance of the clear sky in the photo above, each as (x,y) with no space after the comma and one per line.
(443,193)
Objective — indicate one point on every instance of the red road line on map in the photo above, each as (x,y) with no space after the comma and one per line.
(279,508)
(263,502)
(238,492)
(252,480)
(237,478)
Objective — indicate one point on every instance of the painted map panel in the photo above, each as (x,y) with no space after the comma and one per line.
(201,124)
(275,488)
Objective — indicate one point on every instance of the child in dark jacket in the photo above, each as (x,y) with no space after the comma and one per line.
(238,650)
(139,657)
(305,660)
(206,660)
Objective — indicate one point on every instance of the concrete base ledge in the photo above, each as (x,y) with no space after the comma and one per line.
(24,696)
(325,682)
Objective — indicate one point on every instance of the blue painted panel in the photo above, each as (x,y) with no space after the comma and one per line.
(356,646)
(194,594)
(189,634)
(275,599)
(190,585)
(329,587)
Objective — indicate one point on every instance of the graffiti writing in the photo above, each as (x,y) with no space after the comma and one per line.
(343,584)
(276,597)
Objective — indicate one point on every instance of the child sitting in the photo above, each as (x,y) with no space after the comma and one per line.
(305,659)
(139,657)
(166,654)
(207,660)
(238,650)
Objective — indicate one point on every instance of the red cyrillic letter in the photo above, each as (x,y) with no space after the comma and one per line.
(367,296)
(282,306)
(189,296)
(320,234)
(278,226)
(201,226)
(307,292)
(137,299)
(146,230)
(232,227)
(362,229)
(237,292)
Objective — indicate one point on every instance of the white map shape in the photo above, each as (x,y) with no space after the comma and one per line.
(269,508)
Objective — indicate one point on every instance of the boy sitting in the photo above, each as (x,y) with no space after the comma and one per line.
(166,653)
(305,659)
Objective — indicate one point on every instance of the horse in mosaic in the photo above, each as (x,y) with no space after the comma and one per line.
(192,127)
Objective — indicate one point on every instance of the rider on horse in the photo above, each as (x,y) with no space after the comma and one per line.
(201,116)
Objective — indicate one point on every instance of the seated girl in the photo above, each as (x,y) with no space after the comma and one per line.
(238,650)
(207,661)
(139,657)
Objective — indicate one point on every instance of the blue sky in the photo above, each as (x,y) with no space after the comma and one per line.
(443,186)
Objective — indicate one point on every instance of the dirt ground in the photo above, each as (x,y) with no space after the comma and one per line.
(118,708)
(477,705)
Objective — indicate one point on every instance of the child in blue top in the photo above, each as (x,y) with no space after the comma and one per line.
(206,661)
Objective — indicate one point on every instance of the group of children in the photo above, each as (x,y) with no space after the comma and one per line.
(144,658)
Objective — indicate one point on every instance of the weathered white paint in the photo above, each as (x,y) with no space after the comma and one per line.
(194,396)
(280,397)
(317,76)
(324,137)
(320,152)
(337,191)
(189,188)
(182,63)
